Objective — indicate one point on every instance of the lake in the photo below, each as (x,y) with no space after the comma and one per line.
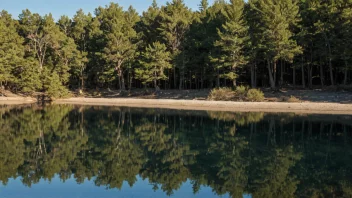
(84,151)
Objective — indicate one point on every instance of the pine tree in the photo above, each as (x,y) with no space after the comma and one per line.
(155,59)
(233,39)
(344,39)
(37,39)
(277,17)
(175,21)
(53,49)
(80,34)
(29,77)
(325,30)
(254,45)
(204,4)
(215,21)
(65,24)
(149,25)
(11,50)
(120,38)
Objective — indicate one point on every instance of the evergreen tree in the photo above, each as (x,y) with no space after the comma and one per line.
(215,23)
(259,42)
(233,39)
(65,24)
(345,40)
(11,50)
(149,25)
(120,46)
(278,16)
(154,61)
(175,21)
(80,34)
(52,48)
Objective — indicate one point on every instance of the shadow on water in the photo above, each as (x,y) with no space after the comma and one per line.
(251,154)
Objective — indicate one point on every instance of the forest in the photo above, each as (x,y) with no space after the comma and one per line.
(261,154)
(257,43)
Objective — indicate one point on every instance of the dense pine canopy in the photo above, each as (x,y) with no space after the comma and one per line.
(261,43)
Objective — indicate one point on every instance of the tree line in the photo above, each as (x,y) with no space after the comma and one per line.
(262,43)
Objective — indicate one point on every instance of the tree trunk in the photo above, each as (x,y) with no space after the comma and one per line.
(130,84)
(294,76)
(303,75)
(122,81)
(310,78)
(321,75)
(182,73)
(181,80)
(281,74)
(82,80)
(253,74)
(155,85)
(217,78)
(130,78)
(190,80)
(175,78)
(345,78)
(119,82)
(346,74)
(202,79)
(271,78)
(234,82)
(169,75)
(330,65)
(275,72)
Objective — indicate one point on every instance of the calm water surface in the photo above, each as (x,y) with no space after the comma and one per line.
(81,151)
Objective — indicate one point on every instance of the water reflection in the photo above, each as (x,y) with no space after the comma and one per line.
(256,154)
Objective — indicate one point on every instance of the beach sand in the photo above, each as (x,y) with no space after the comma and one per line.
(304,107)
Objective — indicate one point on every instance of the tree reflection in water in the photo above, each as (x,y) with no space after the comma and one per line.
(261,154)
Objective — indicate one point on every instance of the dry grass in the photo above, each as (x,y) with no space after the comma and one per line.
(240,94)
(222,94)
(255,95)
(290,99)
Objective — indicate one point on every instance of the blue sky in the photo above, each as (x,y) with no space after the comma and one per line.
(69,7)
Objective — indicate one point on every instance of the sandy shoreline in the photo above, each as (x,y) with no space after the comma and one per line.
(313,108)
(307,107)
(16,100)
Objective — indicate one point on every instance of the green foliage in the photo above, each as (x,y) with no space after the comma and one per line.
(54,51)
(225,94)
(54,87)
(277,18)
(120,40)
(255,95)
(241,93)
(241,90)
(149,24)
(289,99)
(233,38)
(11,49)
(175,21)
(154,61)
(29,77)
(264,42)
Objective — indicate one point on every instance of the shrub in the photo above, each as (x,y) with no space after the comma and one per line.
(241,91)
(224,94)
(255,95)
(289,99)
